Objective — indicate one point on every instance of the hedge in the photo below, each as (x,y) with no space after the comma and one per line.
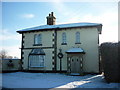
(110,62)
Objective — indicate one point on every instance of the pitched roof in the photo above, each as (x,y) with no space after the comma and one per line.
(62,26)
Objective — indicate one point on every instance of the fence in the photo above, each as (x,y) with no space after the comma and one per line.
(110,61)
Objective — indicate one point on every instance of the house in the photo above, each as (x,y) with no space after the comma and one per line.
(8,65)
(73,48)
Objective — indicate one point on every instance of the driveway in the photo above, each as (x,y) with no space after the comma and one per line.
(53,80)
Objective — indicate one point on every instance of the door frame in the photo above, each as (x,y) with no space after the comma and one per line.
(69,58)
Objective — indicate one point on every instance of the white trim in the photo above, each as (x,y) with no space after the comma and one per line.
(37,66)
(38,39)
(77,34)
(64,37)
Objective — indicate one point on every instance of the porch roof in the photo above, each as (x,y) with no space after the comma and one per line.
(75,50)
(37,51)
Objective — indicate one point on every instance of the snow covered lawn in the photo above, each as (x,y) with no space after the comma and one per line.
(53,80)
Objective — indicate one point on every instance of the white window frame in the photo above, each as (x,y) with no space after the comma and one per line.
(36,60)
(38,39)
(35,39)
(64,38)
(77,37)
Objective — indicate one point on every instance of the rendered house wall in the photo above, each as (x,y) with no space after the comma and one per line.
(47,46)
(46,39)
(89,43)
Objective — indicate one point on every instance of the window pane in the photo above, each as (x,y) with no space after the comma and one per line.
(64,38)
(35,39)
(36,60)
(39,39)
(77,37)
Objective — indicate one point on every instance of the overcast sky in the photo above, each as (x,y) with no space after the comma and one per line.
(21,15)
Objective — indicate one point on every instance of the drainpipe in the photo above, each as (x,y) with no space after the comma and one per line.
(55,49)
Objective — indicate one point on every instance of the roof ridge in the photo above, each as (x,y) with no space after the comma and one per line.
(69,25)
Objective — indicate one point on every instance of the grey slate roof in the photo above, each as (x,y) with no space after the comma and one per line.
(61,26)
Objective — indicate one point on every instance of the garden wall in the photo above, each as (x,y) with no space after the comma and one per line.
(10,65)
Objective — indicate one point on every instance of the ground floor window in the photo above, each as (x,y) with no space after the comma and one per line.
(36,60)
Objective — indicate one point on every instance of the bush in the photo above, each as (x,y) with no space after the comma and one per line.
(110,62)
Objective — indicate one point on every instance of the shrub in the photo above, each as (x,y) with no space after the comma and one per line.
(110,62)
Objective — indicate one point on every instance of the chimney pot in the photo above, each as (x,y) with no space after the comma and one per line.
(51,13)
(51,19)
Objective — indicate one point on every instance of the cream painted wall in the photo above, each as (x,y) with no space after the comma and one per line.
(89,43)
(46,42)
(46,39)
(25,59)
(47,61)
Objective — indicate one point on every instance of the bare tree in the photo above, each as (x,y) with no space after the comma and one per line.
(15,57)
(3,54)
(10,57)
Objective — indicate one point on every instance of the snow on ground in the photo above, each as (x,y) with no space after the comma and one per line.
(53,80)
(0,81)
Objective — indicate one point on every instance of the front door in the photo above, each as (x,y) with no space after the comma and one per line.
(75,65)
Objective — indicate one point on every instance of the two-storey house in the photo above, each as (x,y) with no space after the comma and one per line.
(77,43)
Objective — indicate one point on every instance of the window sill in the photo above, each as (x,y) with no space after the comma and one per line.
(77,43)
(37,66)
(37,44)
(63,43)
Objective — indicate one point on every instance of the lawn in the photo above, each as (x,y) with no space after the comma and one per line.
(53,80)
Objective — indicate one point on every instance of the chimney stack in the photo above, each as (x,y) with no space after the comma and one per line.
(51,19)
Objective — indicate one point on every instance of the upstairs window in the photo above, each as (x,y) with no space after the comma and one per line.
(64,40)
(40,39)
(37,39)
(77,38)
